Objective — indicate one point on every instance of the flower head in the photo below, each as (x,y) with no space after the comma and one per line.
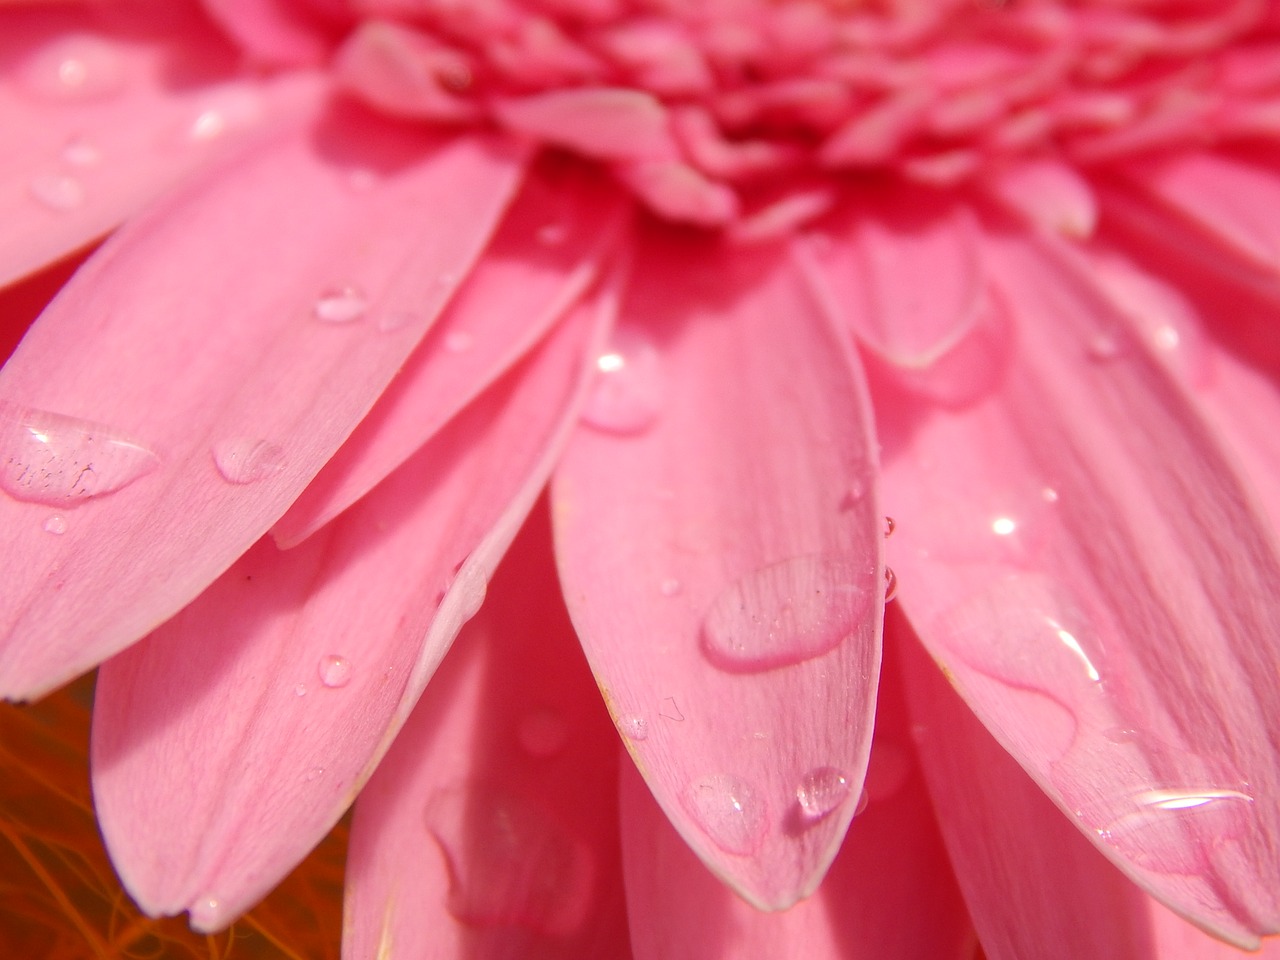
(735,279)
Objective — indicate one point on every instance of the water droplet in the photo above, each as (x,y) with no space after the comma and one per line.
(458,341)
(543,732)
(300,690)
(335,671)
(729,811)
(61,461)
(821,791)
(340,305)
(206,914)
(627,395)
(510,863)
(57,525)
(226,110)
(889,527)
(787,612)
(315,773)
(80,66)
(1104,347)
(243,460)
(79,152)
(58,192)
(633,727)
(552,234)
(864,801)
(670,587)
(890,584)
(1049,495)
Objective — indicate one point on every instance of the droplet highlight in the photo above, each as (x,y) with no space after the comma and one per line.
(62,461)
(730,811)
(786,613)
(821,791)
(627,395)
(633,726)
(670,587)
(340,305)
(243,460)
(543,732)
(510,863)
(57,525)
(76,67)
(334,670)
(890,585)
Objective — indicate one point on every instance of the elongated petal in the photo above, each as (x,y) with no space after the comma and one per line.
(890,892)
(98,123)
(229,741)
(1083,559)
(178,394)
(720,542)
(491,828)
(272,31)
(541,260)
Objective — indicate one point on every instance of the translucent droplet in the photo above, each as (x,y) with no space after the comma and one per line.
(300,690)
(889,527)
(207,914)
(730,811)
(340,305)
(79,152)
(57,525)
(315,773)
(226,110)
(61,461)
(58,192)
(543,732)
(864,801)
(243,460)
(78,66)
(787,612)
(1104,347)
(627,395)
(890,584)
(552,234)
(821,791)
(633,727)
(335,671)
(510,863)
(670,587)
(458,341)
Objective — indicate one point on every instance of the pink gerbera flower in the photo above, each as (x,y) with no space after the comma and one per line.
(736,278)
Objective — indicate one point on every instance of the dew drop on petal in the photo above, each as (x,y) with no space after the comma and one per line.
(243,460)
(627,395)
(730,811)
(890,584)
(864,801)
(61,461)
(786,612)
(543,732)
(315,773)
(300,690)
(335,671)
(510,863)
(58,192)
(670,587)
(889,527)
(76,67)
(1104,347)
(226,110)
(633,726)
(821,791)
(57,525)
(340,305)
(79,152)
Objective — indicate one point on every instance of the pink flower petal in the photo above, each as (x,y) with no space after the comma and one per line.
(272,31)
(490,829)
(543,256)
(891,867)
(207,391)
(599,122)
(229,741)
(98,123)
(730,602)
(1100,589)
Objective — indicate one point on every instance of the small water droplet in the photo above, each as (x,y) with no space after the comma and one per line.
(340,305)
(543,732)
(1104,347)
(730,811)
(458,341)
(510,863)
(857,490)
(79,152)
(1049,495)
(670,587)
(864,801)
(335,671)
(787,612)
(889,527)
(243,460)
(206,913)
(552,234)
(61,461)
(57,525)
(633,727)
(78,66)
(315,773)
(627,395)
(58,192)
(300,690)
(890,584)
(821,791)
(229,109)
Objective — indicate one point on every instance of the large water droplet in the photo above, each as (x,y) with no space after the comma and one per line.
(340,305)
(890,584)
(627,395)
(335,671)
(510,863)
(821,791)
(53,459)
(730,811)
(543,732)
(58,192)
(243,460)
(787,612)
(633,726)
(79,66)
(57,525)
